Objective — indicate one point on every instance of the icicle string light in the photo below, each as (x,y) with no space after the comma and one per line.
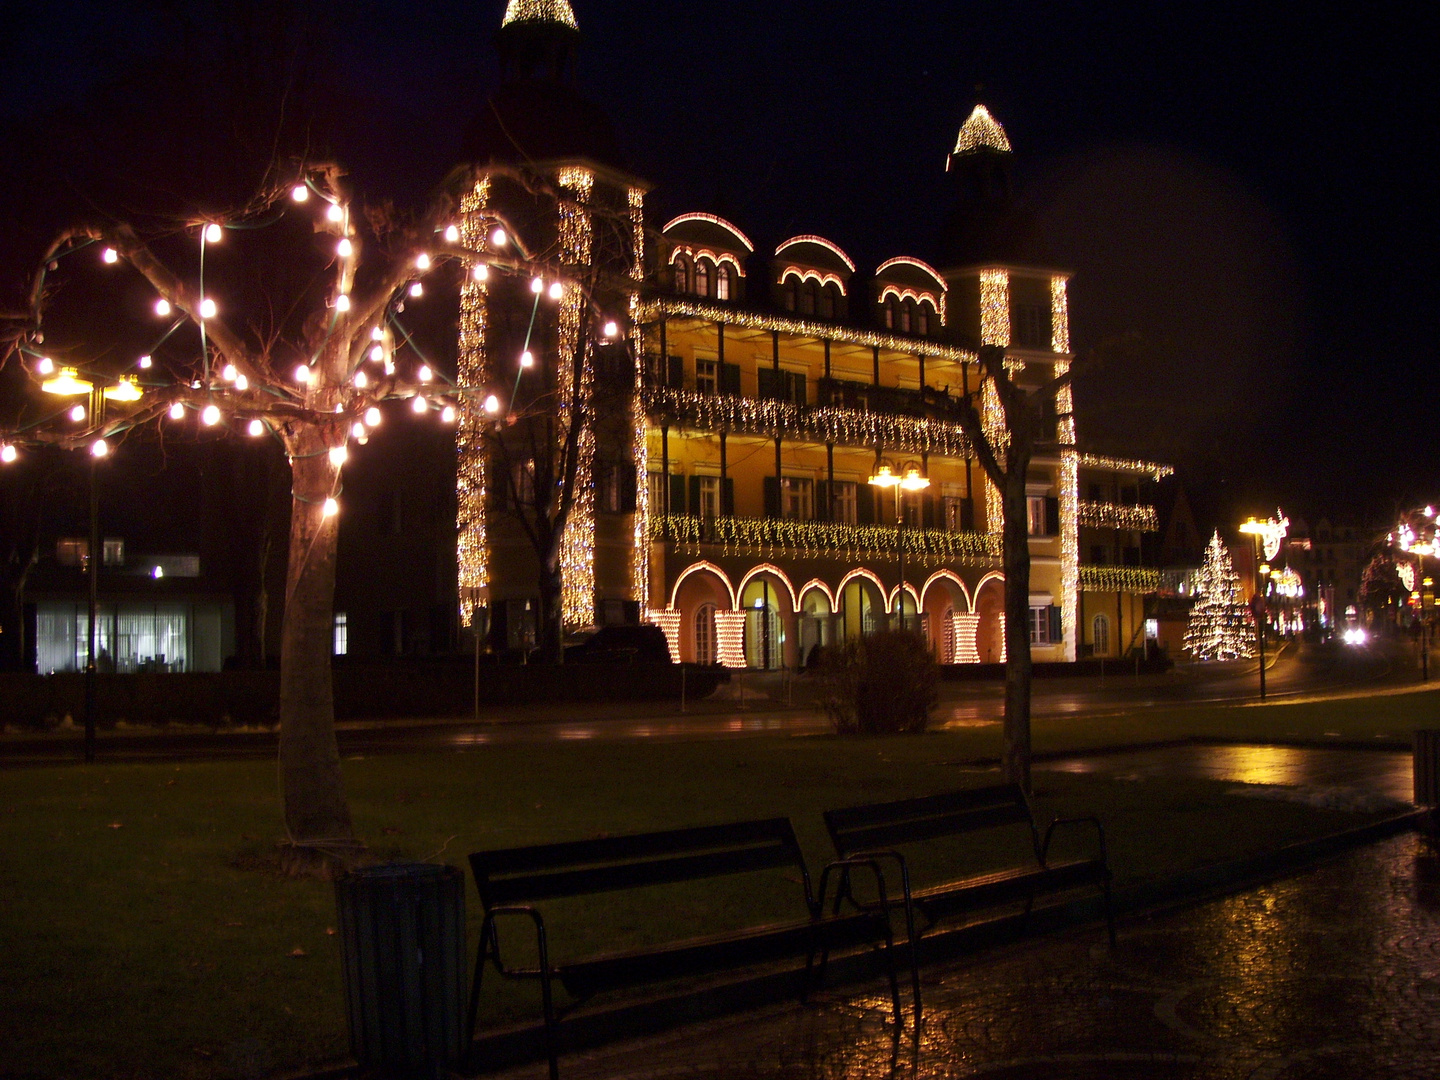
(577,545)
(521,11)
(813,538)
(1122,579)
(1126,465)
(472,370)
(981,130)
(995,307)
(825,423)
(1105,515)
(1069,509)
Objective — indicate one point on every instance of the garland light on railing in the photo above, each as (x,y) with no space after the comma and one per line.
(823,537)
(1105,515)
(1123,579)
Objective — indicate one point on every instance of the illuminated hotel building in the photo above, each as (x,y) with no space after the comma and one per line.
(729,436)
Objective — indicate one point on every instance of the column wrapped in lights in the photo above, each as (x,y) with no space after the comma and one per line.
(730,638)
(639,421)
(576,385)
(1069,470)
(668,619)
(472,375)
(994,330)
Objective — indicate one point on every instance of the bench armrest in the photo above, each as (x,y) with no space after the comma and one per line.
(490,940)
(842,890)
(1087,820)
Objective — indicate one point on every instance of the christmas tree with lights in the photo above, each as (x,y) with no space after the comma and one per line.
(1221,626)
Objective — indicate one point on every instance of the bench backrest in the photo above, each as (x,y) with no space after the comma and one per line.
(580,867)
(881,826)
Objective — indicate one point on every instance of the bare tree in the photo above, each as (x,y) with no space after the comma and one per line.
(307,356)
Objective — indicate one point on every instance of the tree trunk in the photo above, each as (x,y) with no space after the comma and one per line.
(1015,759)
(317,816)
(552,612)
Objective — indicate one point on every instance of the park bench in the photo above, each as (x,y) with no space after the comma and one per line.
(512,882)
(876,831)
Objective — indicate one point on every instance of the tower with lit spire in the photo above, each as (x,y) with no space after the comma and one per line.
(549,185)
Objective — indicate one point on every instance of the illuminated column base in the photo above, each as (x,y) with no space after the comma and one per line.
(965,628)
(668,619)
(730,638)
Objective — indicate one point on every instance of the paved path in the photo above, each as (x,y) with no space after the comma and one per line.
(1332,974)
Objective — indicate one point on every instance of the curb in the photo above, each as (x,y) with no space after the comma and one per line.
(523,1043)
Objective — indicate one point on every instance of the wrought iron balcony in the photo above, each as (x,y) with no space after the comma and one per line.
(823,538)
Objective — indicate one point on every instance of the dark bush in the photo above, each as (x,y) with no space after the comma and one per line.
(880,684)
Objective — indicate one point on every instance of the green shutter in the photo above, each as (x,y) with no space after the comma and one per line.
(1052,516)
(797,388)
(675,372)
(1056,634)
(772,497)
(695,495)
(864,504)
(765,380)
(677,493)
(730,379)
(727,496)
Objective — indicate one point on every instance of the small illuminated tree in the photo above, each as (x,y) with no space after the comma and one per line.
(1221,625)
(304,346)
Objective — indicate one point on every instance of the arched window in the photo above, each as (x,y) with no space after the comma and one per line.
(790,291)
(722,282)
(890,313)
(922,319)
(807,298)
(827,302)
(682,275)
(1100,635)
(702,277)
(705,634)
(905,311)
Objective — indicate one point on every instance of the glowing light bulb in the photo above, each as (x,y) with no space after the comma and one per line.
(492,404)
(372,417)
(377,353)
(228,373)
(330,508)
(8,453)
(334,213)
(416,289)
(481,272)
(342,302)
(361,380)
(162,307)
(357,430)
(110,255)
(611,329)
(242,383)
(527,359)
(556,290)
(99,448)
(452,234)
(300,193)
(447,414)
(302,374)
(210,415)
(46,366)
(419,405)
(338,454)
(212,233)
(344,248)
(207,308)
(424,374)
(422,261)
(177,411)
(77,414)
(256,427)
(376,334)
(498,237)
(536,286)
(145,362)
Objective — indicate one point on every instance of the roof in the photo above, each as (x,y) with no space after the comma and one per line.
(707,229)
(817,252)
(558,11)
(981,131)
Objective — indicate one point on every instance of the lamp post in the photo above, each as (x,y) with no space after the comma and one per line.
(910,479)
(1255,530)
(1420,541)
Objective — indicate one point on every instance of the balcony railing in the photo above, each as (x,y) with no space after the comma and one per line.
(1106,515)
(823,538)
(1122,579)
(814,423)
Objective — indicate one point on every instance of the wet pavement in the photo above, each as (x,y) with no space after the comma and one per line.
(1337,774)
(1331,974)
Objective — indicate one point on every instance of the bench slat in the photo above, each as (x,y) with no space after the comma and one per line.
(848,818)
(594,879)
(1003,886)
(889,833)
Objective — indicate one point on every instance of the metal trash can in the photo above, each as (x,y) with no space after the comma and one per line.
(402,930)
(1427,768)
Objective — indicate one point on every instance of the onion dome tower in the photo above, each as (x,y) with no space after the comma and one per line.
(544,164)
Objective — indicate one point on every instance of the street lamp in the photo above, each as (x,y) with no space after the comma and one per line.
(1256,530)
(1420,544)
(910,479)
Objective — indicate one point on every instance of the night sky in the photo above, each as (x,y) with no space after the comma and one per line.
(1243,195)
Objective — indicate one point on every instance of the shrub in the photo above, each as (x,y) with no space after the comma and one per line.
(880,684)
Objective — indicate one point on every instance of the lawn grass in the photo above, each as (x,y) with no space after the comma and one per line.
(146,934)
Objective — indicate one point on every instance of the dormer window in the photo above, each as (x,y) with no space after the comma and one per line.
(790,290)
(682,275)
(722,283)
(702,277)
(889,313)
(807,298)
(905,309)
(827,302)
(922,320)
